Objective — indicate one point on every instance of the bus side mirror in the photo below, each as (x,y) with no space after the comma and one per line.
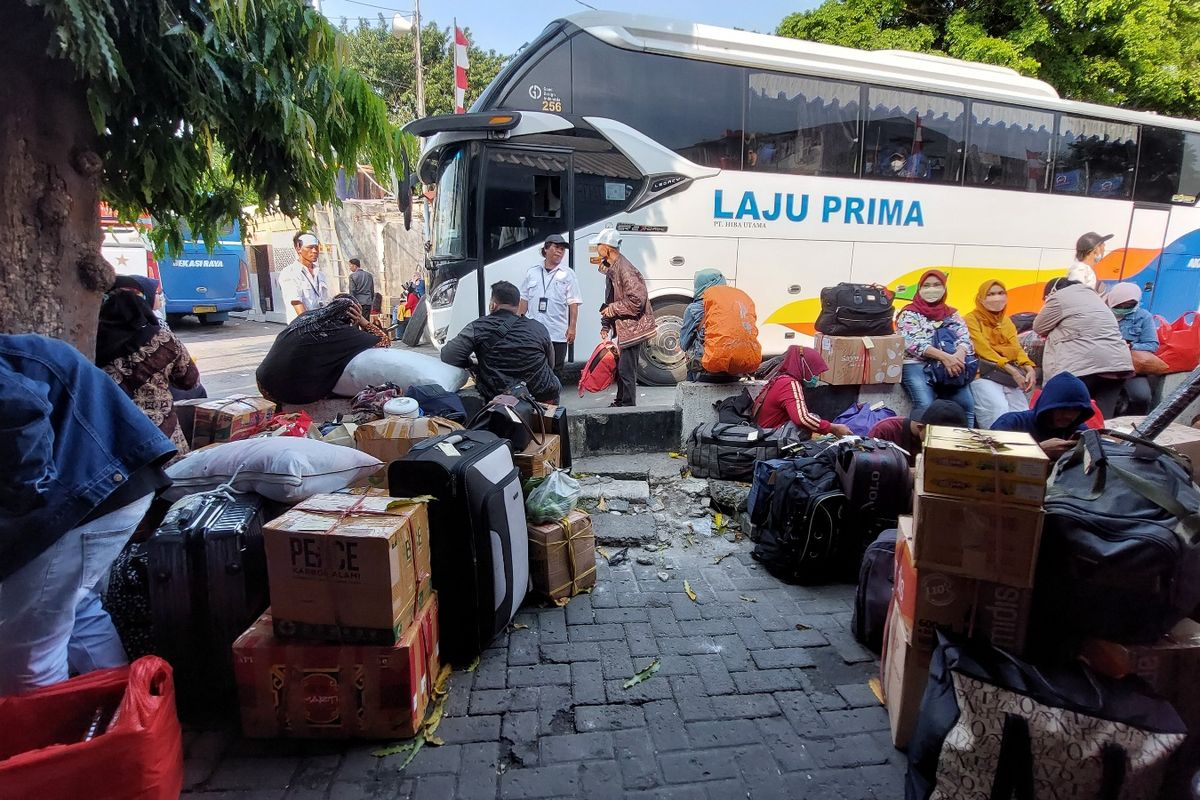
(404,192)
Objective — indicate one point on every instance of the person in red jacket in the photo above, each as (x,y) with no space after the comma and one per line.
(782,399)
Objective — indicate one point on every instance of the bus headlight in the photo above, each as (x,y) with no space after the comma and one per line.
(442,295)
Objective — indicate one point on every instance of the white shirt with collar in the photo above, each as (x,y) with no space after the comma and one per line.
(560,287)
(297,283)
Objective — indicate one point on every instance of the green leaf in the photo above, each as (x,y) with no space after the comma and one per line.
(97,111)
(637,678)
(407,749)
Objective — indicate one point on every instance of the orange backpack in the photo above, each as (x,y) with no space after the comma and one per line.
(730,332)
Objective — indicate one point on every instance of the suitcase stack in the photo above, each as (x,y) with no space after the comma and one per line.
(965,559)
(349,647)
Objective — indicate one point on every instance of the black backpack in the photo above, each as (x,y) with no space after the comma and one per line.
(855,309)
(735,409)
(878,485)
(434,401)
(876,576)
(799,542)
(1120,552)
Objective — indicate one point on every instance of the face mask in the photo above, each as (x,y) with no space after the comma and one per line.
(932,294)
(995,304)
(811,383)
(1124,312)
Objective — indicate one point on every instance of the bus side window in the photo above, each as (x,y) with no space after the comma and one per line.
(1094,158)
(1168,166)
(801,125)
(913,136)
(1008,147)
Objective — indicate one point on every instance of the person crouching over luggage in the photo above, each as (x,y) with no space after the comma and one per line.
(720,331)
(1058,415)
(909,432)
(782,399)
(508,348)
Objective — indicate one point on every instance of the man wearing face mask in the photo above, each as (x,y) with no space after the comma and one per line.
(782,399)
(508,349)
(626,312)
(1089,251)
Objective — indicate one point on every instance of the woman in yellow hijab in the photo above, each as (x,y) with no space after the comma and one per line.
(1006,373)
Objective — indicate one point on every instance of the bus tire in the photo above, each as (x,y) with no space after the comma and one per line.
(661,362)
(416,326)
(208,319)
(174,319)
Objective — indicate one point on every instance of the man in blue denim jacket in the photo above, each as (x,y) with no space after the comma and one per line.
(79,466)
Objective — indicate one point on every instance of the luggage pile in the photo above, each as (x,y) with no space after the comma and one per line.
(856,335)
(324,582)
(1041,622)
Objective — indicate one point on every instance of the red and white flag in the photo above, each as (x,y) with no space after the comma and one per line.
(460,71)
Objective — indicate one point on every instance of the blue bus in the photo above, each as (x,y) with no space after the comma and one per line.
(207,284)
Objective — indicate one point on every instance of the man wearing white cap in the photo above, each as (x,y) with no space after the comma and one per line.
(550,294)
(302,285)
(626,312)
(1089,250)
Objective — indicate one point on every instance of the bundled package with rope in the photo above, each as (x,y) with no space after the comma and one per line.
(562,556)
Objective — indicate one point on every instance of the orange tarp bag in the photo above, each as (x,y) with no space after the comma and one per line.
(730,332)
(107,735)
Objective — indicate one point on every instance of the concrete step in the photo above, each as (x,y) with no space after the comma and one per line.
(652,467)
(607,431)
(623,530)
(630,491)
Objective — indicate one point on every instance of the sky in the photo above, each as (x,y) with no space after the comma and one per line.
(504,27)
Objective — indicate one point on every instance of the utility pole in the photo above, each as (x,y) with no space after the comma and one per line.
(420,68)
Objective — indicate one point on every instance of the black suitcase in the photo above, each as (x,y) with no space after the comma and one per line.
(207,572)
(478,538)
(878,485)
(855,309)
(876,577)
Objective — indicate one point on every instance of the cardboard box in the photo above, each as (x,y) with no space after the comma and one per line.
(903,675)
(390,439)
(562,556)
(538,460)
(346,567)
(859,360)
(1183,439)
(300,689)
(979,465)
(223,419)
(928,599)
(992,541)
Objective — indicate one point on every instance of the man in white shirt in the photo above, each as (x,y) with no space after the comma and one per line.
(302,285)
(1089,250)
(550,294)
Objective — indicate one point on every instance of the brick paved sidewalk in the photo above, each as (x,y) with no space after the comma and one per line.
(763,697)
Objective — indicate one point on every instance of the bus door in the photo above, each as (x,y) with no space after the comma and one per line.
(1147,235)
(527,196)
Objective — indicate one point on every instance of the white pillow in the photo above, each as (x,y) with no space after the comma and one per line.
(289,469)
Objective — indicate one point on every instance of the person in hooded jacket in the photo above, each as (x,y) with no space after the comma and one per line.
(1006,372)
(733,343)
(691,333)
(1142,391)
(782,400)
(1059,413)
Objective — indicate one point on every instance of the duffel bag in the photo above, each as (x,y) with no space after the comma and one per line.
(860,417)
(434,401)
(1120,553)
(762,485)
(727,451)
(799,542)
(855,309)
(993,726)
(876,577)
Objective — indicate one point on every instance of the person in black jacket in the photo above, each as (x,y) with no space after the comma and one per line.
(508,349)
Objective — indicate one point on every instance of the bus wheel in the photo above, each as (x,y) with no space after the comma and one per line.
(208,319)
(662,363)
(415,328)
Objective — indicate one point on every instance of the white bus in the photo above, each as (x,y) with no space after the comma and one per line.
(792,166)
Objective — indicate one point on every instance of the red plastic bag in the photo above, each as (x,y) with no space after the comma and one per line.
(1179,342)
(294,424)
(600,370)
(139,756)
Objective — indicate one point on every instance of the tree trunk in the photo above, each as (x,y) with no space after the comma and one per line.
(51,273)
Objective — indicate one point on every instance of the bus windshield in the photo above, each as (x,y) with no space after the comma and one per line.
(447,229)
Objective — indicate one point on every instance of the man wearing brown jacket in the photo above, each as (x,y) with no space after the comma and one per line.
(626,312)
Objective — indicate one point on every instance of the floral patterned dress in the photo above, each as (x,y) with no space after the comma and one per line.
(147,375)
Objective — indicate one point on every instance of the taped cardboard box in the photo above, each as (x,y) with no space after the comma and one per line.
(993,541)
(538,460)
(1183,439)
(903,675)
(981,465)
(301,689)
(209,421)
(391,438)
(859,360)
(562,556)
(929,599)
(348,567)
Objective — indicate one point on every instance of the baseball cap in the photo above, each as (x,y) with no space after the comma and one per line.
(608,236)
(555,238)
(1089,240)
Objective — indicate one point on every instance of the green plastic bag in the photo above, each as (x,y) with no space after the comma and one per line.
(550,498)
